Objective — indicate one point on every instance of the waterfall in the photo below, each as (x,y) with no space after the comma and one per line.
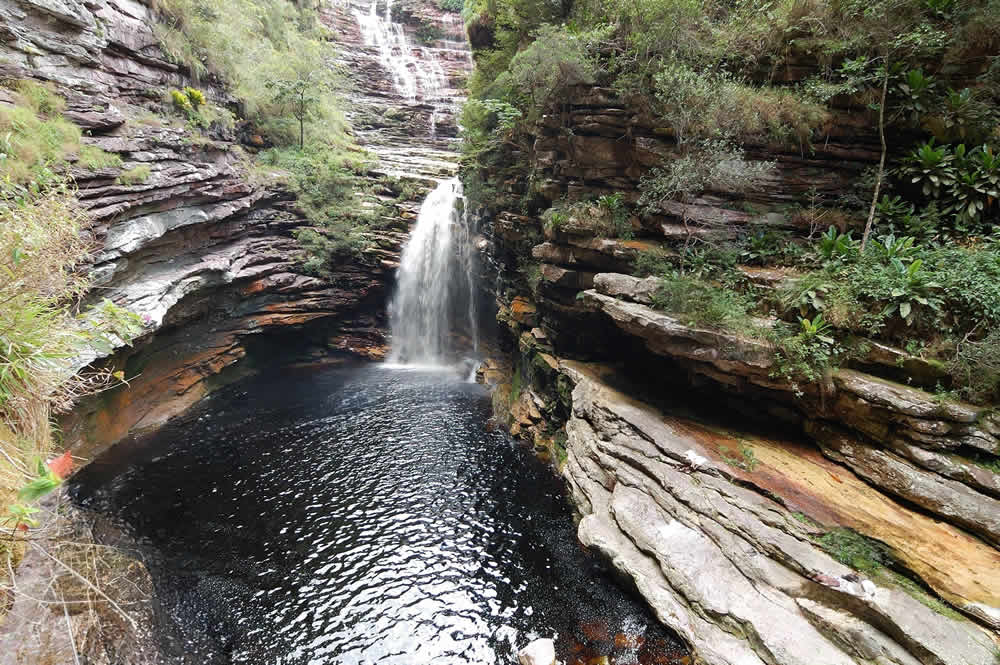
(436,282)
(411,76)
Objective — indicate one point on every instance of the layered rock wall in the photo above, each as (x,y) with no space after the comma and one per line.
(728,493)
(203,248)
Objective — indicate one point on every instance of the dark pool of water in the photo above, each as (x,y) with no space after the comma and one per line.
(359,515)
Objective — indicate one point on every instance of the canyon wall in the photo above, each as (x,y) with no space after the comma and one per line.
(728,494)
(203,248)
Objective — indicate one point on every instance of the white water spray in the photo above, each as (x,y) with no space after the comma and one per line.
(411,75)
(436,281)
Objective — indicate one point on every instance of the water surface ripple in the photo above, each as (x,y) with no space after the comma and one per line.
(359,515)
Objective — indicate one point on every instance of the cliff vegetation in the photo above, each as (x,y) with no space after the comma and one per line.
(903,251)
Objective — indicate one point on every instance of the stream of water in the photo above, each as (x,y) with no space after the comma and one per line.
(359,515)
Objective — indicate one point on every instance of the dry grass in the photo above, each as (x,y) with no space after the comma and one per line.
(74,600)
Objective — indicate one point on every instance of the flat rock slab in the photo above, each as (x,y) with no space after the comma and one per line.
(717,550)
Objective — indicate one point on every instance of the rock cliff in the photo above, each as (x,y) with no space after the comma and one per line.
(202,247)
(732,496)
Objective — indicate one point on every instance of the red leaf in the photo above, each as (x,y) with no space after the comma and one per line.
(62,465)
(22,526)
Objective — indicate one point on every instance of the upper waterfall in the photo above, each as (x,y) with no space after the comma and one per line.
(436,288)
(411,76)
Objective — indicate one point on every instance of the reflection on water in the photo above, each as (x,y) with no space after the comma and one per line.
(360,515)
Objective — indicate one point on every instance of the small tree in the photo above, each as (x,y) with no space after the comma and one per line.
(302,93)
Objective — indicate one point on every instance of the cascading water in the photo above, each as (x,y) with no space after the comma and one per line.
(435,285)
(411,76)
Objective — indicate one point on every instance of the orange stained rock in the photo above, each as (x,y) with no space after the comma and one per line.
(521,308)
(958,566)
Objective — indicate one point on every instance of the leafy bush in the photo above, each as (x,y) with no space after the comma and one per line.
(619,226)
(540,73)
(975,368)
(702,304)
(135,176)
(705,104)
(653,262)
(965,182)
(835,246)
(195,97)
(711,165)
(765,246)
(326,185)
(247,43)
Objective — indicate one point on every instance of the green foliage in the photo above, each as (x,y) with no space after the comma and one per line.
(516,384)
(855,550)
(614,207)
(745,460)
(653,262)
(709,165)
(327,190)
(531,272)
(965,183)
(247,43)
(835,246)
(703,104)
(43,245)
(539,74)
(34,139)
(428,34)
(302,94)
(195,97)
(181,102)
(135,176)
(806,355)
(890,247)
(765,246)
(976,369)
(40,486)
(451,5)
(698,303)
(93,158)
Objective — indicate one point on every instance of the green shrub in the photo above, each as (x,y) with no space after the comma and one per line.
(701,304)
(451,5)
(541,73)
(966,183)
(702,104)
(618,225)
(93,158)
(248,43)
(33,143)
(975,368)
(711,164)
(195,97)
(181,102)
(653,262)
(135,176)
(326,185)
